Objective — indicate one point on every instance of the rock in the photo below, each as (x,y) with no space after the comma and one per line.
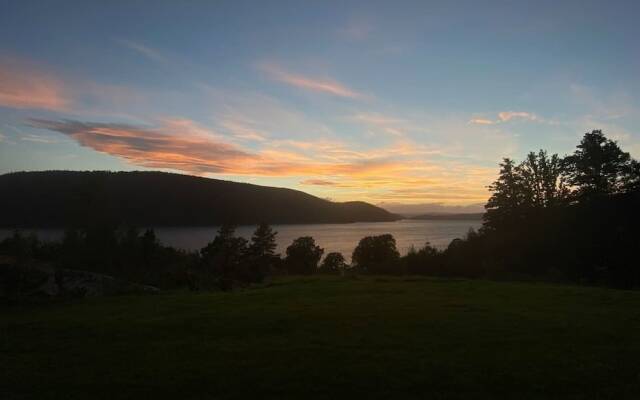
(19,281)
(87,284)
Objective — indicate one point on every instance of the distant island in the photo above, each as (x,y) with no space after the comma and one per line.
(448,216)
(63,198)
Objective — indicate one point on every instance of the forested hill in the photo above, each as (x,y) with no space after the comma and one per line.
(66,198)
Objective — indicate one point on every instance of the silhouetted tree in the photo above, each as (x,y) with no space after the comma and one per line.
(122,253)
(522,190)
(261,256)
(466,257)
(599,167)
(633,181)
(263,241)
(333,263)
(543,180)
(303,256)
(223,258)
(508,198)
(377,255)
(426,260)
(572,219)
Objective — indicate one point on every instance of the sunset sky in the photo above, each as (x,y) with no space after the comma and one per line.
(392,102)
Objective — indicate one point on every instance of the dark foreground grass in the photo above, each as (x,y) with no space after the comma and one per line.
(330,338)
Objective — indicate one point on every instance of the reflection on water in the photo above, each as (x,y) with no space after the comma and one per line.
(332,237)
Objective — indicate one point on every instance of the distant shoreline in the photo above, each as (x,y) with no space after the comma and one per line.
(427,217)
(448,217)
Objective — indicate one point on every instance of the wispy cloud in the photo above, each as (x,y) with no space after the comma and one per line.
(37,139)
(142,49)
(399,172)
(251,113)
(177,145)
(390,125)
(150,147)
(320,85)
(242,131)
(318,182)
(481,121)
(505,116)
(24,86)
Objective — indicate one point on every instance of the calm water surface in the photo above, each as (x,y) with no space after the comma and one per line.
(332,237)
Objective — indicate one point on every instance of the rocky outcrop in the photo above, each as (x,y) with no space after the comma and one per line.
(20,281)
(86,284)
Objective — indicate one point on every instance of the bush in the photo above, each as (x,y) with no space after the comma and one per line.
(333,263)
(424,261)
(377,255)
(303,256)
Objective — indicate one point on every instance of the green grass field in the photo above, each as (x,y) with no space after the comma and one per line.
(367,338)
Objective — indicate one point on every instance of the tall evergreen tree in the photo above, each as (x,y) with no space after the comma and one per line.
(224,255)
(263,241)
(261,253)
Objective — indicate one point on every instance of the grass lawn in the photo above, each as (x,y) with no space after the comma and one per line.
(367,338)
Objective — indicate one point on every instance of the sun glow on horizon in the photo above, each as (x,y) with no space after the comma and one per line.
(372,111)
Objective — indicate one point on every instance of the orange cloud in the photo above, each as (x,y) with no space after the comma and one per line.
(506,116)
(182,145)
(23,86)
(313,84)
(318,182)
(481,121)
(509,115)
(26,86)
(397,172)
(152,148)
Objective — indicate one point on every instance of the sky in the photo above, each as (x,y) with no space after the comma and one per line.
(406,104)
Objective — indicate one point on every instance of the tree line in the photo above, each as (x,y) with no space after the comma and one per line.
(227,262)
(571,219)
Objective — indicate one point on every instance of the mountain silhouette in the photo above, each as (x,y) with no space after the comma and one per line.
(78,198)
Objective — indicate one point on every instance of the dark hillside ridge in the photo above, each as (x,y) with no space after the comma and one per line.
(148,199)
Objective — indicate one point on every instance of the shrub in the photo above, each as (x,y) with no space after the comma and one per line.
(333,263)
(303,256)
(377,255)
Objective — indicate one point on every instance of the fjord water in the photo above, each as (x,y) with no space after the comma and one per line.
(332,237)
